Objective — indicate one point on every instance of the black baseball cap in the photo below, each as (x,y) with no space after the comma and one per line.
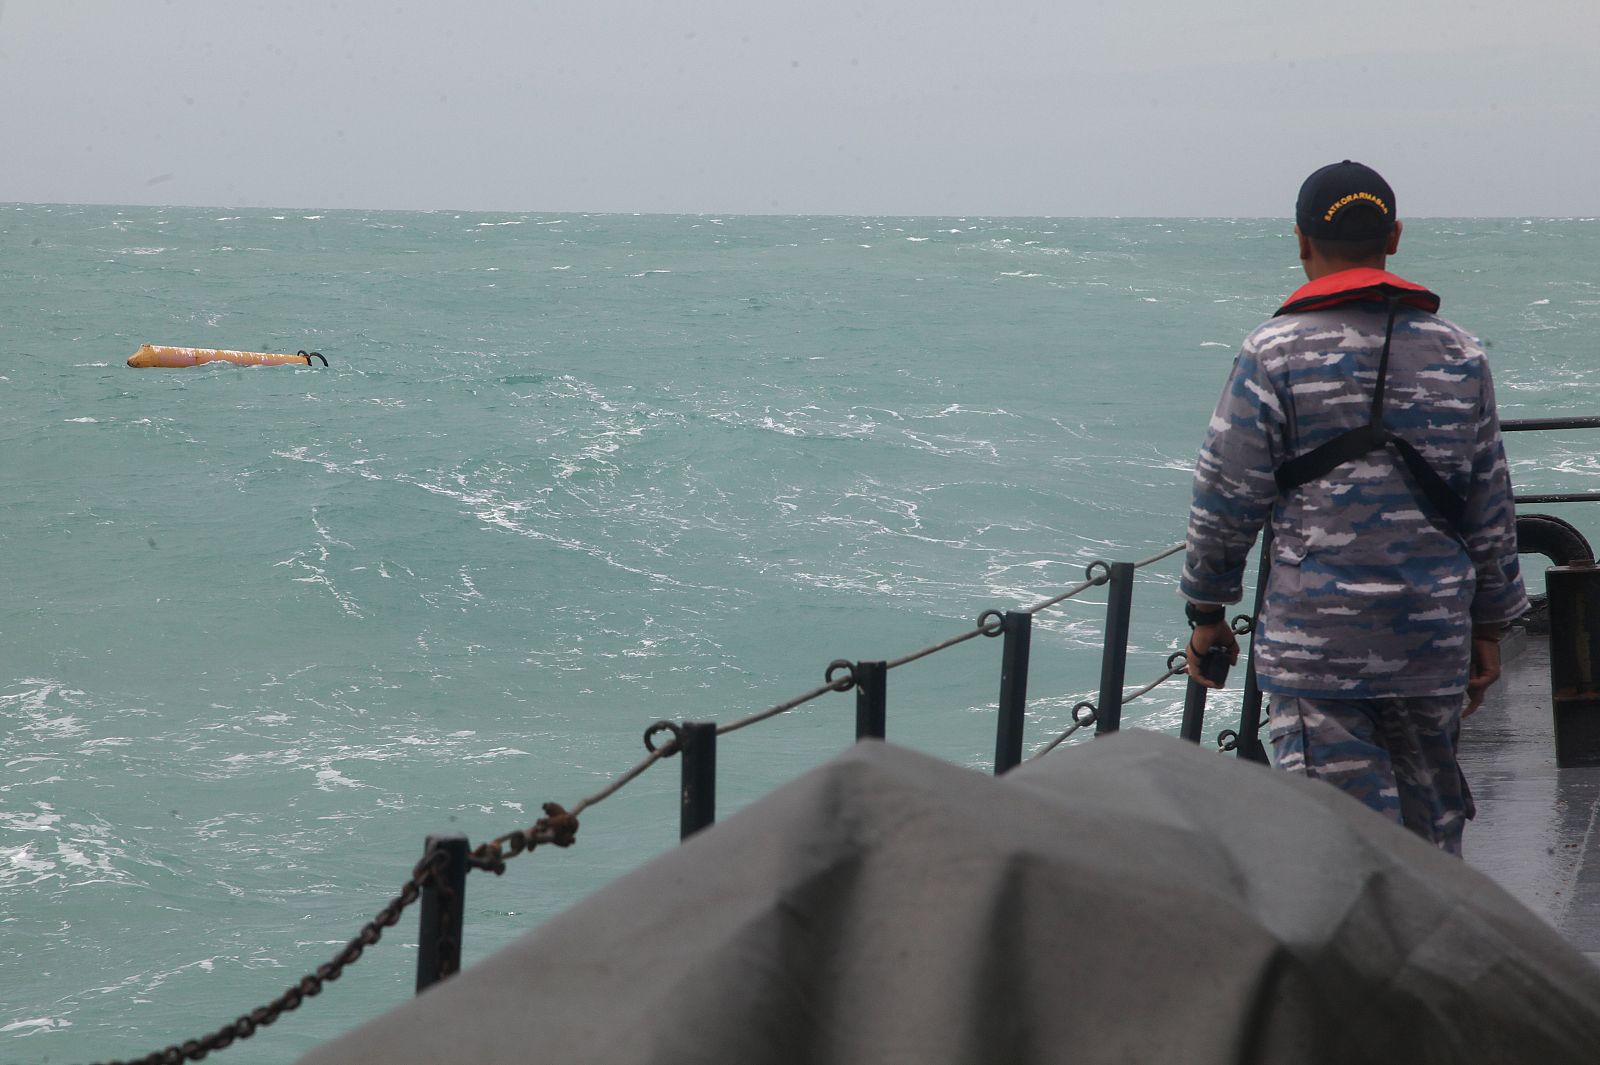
(1345,201)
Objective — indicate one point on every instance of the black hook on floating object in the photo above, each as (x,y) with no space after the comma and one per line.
(309,355)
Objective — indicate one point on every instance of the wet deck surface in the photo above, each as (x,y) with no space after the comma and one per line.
(1535,829)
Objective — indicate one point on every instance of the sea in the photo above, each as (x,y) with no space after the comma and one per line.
(265,629)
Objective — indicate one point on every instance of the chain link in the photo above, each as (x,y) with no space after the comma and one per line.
(310,985)
(556,827)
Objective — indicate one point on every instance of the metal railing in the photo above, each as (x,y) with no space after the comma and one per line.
(695,743)
(1534,425)
(438,881)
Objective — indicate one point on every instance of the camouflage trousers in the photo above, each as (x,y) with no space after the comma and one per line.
(1398,756)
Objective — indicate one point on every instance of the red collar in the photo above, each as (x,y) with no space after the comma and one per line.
(1362,283)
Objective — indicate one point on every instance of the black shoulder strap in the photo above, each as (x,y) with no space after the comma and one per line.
(1321,461)
(1451,506)
(1363,440)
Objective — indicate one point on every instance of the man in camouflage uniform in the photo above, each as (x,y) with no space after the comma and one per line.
(1387,595)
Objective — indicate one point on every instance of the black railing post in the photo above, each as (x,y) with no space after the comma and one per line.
(699,752)
(444,899)
(1250,746)
(1194,712)
(1114,656)
(1574,596)
(872,700)
(1018,629)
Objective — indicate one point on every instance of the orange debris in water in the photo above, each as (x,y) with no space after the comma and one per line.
(150,355)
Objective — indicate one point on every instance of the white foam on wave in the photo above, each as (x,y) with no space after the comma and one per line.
(496,753)
(82,421)
(330,778)
(44,820)
(35,1025)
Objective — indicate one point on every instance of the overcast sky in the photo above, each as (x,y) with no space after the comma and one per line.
(1112,107)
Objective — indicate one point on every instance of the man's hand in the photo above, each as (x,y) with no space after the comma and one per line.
(1485,668)
(1205,637)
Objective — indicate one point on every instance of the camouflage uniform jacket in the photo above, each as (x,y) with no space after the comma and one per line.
(1370,596)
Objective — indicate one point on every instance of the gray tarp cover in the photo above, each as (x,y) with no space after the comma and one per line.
(1135,899)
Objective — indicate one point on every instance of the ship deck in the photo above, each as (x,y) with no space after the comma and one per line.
(1535,828)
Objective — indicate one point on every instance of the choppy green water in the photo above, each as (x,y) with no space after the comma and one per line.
(264,629)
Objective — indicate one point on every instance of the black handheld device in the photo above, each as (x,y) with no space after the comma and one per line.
(1214,664)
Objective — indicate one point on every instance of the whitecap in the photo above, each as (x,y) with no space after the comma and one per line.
(328,779)
(37,1024)
(83,421)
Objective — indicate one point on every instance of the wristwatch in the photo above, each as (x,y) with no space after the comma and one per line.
(1208,616)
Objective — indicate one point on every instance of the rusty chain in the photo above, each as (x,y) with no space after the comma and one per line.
(557,827)
(310,985)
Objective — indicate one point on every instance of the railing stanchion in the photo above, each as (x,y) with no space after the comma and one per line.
(1194,712)
(1018,632)
(444,899)
(699,801)
(872,700)
(1250,746)
(1114,657)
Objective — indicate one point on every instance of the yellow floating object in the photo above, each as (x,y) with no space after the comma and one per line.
(150,355)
